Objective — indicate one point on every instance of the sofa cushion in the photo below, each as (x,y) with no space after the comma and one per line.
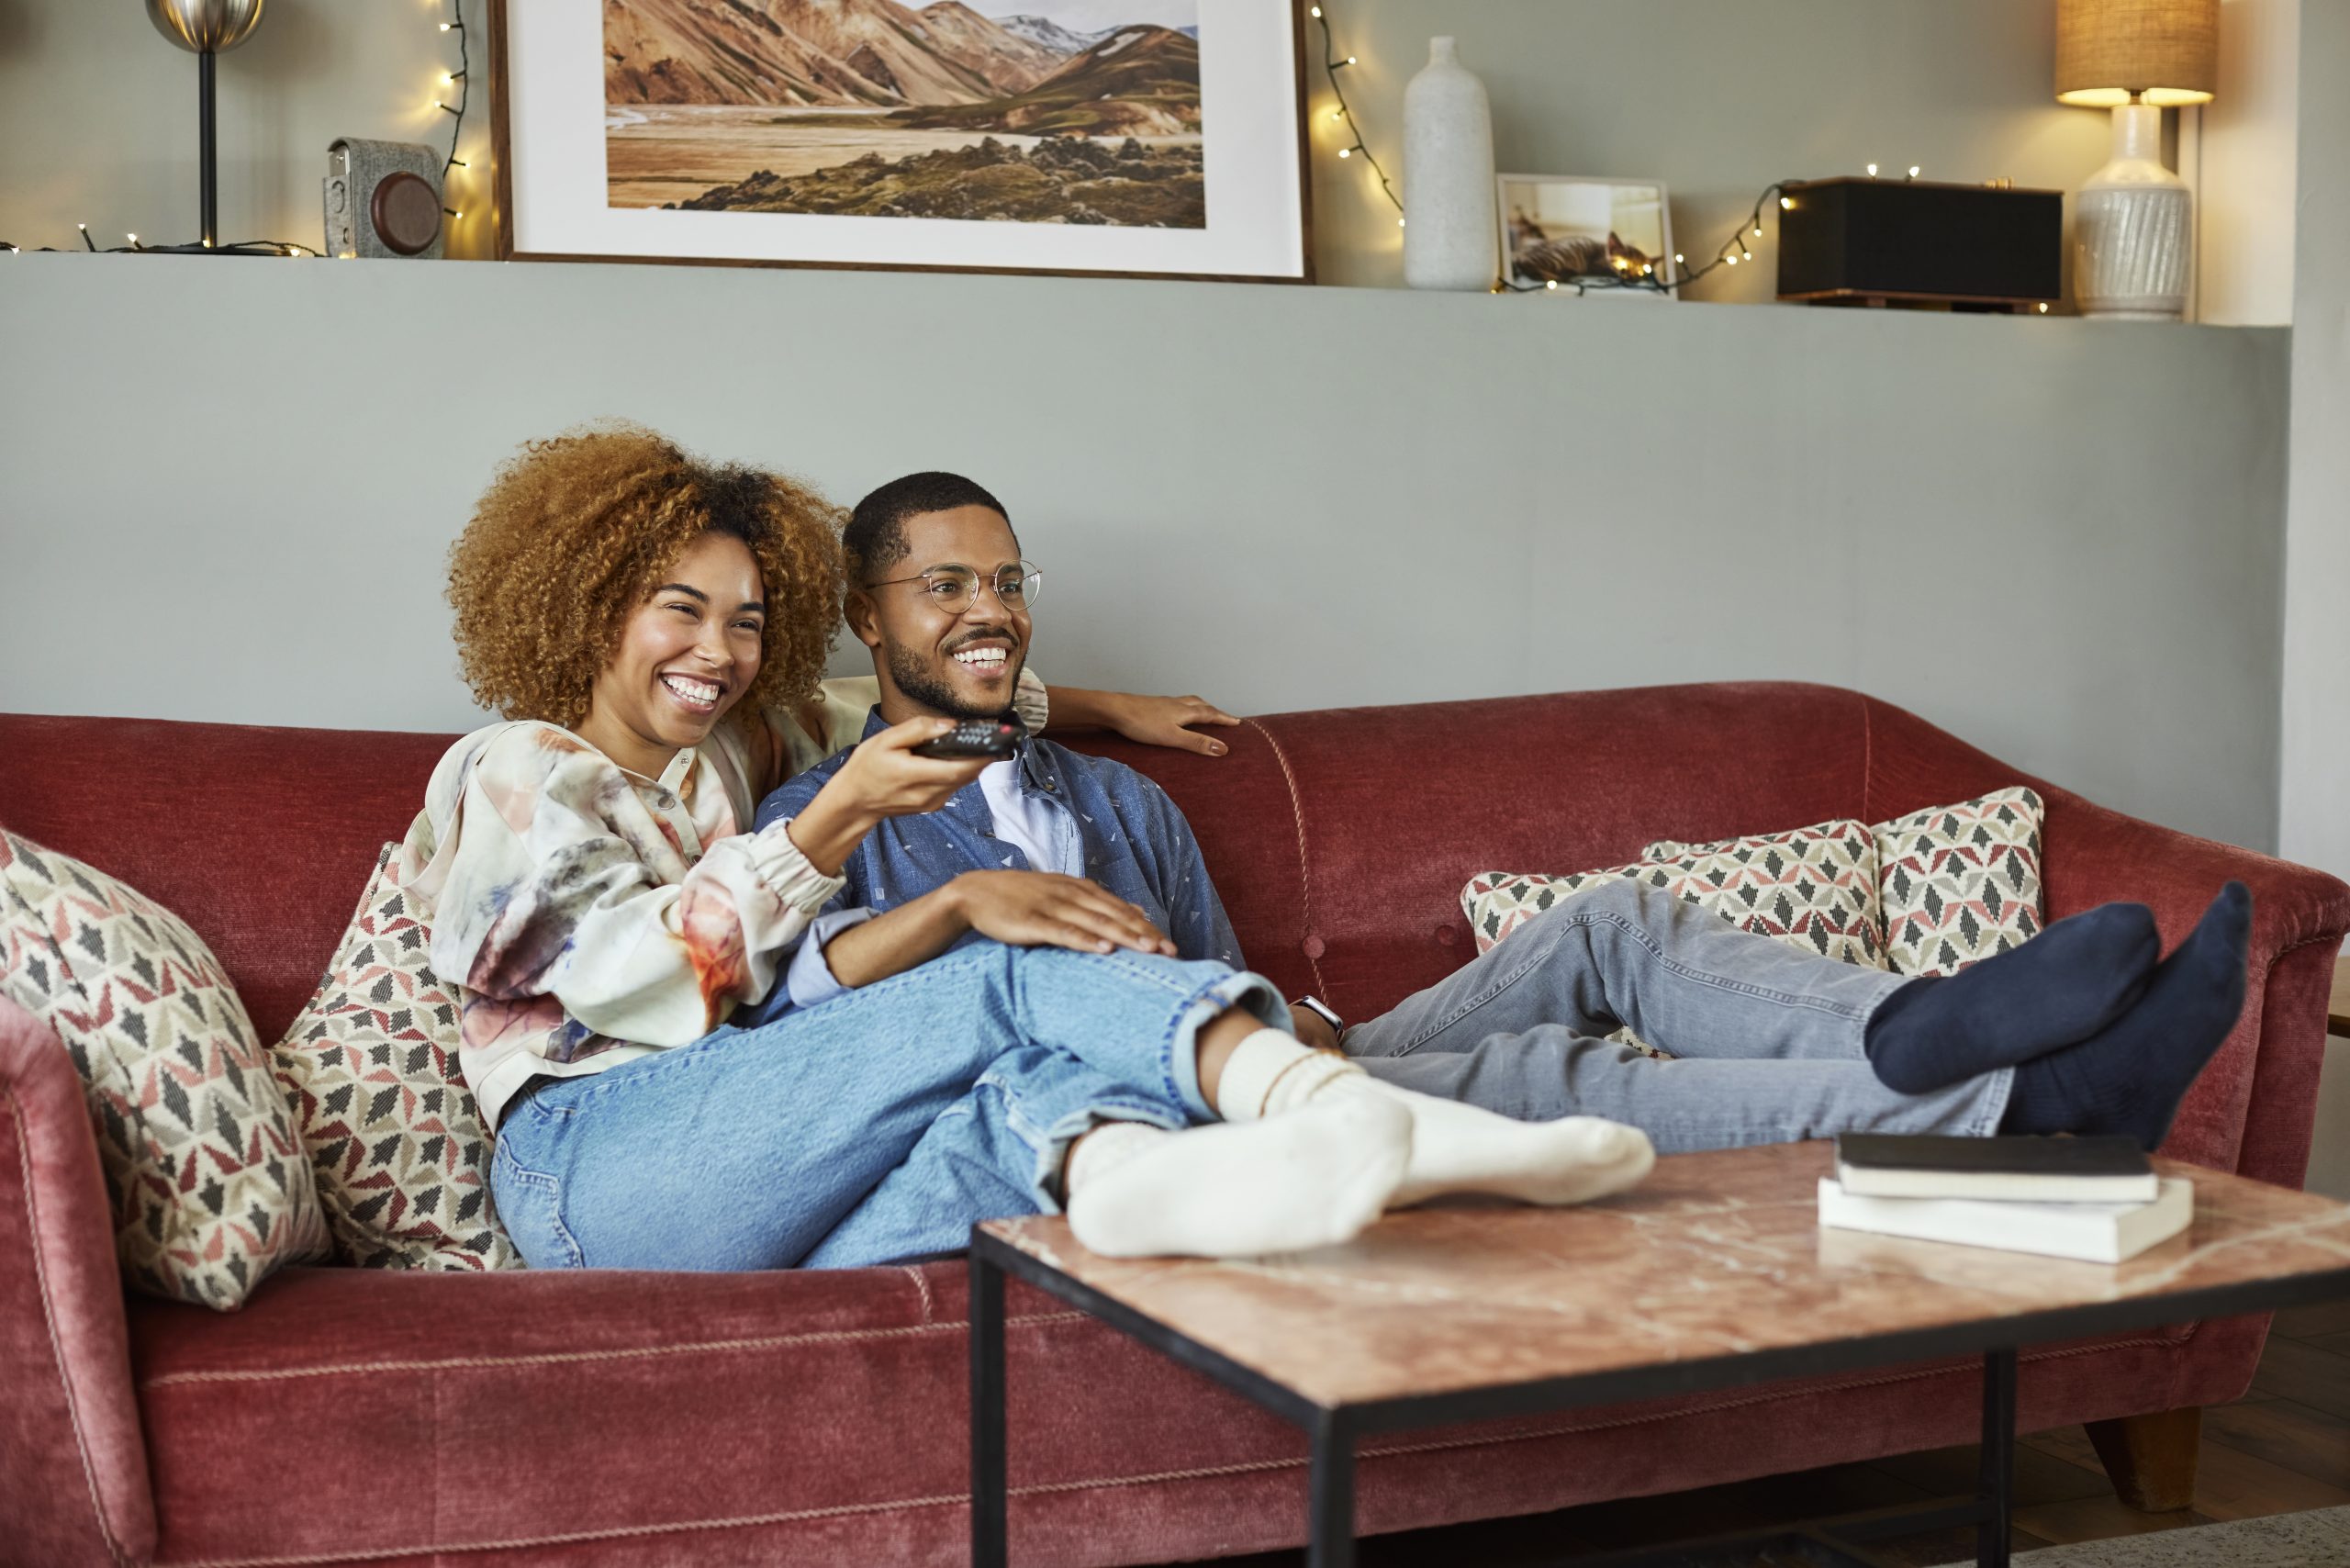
(400,1154)
(201,1159)
(1814,887)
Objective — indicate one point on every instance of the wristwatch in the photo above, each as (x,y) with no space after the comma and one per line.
(1321,1010)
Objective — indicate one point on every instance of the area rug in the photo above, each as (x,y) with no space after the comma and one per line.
(2318,1538)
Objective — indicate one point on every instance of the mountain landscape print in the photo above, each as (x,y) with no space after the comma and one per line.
(1025,111)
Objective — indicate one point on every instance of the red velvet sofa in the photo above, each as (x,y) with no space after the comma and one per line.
(619,1418)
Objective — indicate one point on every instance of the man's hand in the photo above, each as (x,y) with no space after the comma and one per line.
(1152,721)
(1043,909)
(1312,1029)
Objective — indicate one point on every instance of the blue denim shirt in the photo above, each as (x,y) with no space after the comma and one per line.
(1120,829)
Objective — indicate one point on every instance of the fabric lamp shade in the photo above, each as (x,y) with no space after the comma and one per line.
(2161,51)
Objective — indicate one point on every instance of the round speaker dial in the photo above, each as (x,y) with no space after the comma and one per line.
(406,213)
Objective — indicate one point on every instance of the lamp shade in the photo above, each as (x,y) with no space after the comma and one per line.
(205,27)
(2163,51)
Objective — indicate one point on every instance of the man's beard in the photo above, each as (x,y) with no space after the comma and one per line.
(915,682)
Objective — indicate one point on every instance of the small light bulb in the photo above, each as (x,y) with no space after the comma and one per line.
(1678,258)
(1553,284)
(1746,255)
(1786,204)
(1351,59)
(1913,171)
(1729,261)
(2044,308)
(445,26)
(453,212)
(132,238)
(1318,10)
(1346,152)
(448,78)
(1872,170)
(1337,113)
(1758,231)
(1646,269)
(1399,223)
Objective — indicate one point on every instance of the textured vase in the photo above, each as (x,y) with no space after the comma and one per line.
(2131,228)
(1451,235)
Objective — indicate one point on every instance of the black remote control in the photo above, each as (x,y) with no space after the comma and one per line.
(973,737)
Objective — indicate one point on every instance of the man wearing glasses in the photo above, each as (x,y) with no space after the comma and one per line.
(2075,1031)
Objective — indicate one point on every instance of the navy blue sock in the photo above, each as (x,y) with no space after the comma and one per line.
(2130,1077)
(2062,986)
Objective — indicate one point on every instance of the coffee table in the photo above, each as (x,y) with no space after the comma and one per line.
(1713,1273)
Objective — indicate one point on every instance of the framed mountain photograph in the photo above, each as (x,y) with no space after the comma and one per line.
(1153,137)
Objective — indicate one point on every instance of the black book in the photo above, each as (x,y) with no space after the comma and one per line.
(2029,1169)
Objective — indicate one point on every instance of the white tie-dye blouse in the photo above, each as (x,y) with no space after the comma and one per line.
(587,916)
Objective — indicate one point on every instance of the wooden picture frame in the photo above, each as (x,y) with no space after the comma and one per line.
(1264,224)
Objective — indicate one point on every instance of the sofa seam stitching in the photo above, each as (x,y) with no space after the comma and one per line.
(49,1323)
(923,1285)
(1304,875)
(571,1357)
(1205,1472)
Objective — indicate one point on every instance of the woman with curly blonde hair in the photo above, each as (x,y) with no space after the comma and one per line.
(652,629)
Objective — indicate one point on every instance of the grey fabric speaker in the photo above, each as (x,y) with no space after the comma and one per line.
(383,198)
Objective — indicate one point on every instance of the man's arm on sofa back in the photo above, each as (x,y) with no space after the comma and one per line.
(76,1488)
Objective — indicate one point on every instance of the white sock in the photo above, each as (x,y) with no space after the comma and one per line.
(1464,1148)
(1455,1147)
(1312,1178)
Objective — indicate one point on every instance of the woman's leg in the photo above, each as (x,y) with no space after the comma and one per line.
(743,1150)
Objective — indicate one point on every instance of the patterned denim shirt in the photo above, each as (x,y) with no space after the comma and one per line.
(1117,826)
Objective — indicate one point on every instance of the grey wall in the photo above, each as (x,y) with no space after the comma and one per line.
(227,484)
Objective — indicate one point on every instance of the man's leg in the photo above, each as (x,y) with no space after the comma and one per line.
(1682,977)
(1550,1071)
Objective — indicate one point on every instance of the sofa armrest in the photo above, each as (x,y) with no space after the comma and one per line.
(77,1488)
(2253,1109)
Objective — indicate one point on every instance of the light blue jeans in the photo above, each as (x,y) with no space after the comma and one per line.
(880,1124)
(1767,1037)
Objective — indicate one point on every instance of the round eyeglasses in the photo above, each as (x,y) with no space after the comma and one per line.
(955,589)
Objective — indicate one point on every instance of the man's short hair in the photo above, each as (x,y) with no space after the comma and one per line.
(876,536)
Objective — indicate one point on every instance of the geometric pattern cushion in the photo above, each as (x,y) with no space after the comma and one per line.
(1814,887)
(371,1068)
(1961,882)
(201,1157)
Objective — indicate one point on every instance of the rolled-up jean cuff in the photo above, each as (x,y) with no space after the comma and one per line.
(1242,988)
(1052,1144)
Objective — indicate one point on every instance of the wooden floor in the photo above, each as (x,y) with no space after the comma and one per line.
(2282,1447)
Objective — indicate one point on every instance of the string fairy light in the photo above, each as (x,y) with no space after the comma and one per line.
(462,79)
(1345,115)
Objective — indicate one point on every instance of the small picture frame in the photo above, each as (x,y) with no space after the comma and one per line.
(1611,237)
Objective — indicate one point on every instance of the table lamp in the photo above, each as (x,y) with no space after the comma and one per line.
(206,29)
(2132,225)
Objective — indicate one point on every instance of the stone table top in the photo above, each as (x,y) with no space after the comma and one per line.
(1716,1255)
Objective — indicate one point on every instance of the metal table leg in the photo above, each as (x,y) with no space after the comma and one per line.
(988,1548)
(1997,1491)
(1330,1521)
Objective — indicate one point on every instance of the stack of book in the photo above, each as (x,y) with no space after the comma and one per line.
(2093,1198)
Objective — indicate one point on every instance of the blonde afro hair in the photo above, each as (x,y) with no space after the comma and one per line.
(575,532)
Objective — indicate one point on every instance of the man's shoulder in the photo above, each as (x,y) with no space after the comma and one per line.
(1117,779)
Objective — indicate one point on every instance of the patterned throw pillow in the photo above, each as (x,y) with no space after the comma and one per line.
(1957,883)
(371,1068)
(1816,887)
(1961,882)
(210,1190)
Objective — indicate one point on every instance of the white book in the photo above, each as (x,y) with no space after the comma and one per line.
(2097,1233)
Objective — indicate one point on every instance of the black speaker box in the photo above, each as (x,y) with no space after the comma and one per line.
(1855,242)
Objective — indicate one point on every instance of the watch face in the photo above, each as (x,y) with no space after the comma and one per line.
(1315,1005)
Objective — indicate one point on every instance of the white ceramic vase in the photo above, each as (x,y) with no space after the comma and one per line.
(2133,227)
(1449,230)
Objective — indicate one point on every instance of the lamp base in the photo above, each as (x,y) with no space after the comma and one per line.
(2132,228)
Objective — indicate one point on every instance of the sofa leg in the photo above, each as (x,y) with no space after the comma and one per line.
(2151,1458)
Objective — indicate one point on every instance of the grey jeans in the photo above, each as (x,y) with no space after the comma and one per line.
(1767,1037)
